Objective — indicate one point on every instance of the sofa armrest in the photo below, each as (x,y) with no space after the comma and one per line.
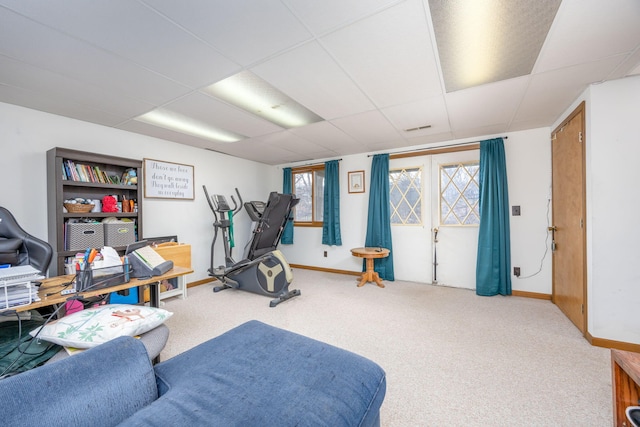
(100,386)
(257,374)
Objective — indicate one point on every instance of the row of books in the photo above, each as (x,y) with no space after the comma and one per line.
(86,173)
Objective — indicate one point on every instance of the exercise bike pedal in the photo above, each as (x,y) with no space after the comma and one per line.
(221,288)
(282,298)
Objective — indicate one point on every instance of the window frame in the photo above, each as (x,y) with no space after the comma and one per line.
(420,188)
(440,192)
(307,169)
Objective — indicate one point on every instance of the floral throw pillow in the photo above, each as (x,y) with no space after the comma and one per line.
(94,326)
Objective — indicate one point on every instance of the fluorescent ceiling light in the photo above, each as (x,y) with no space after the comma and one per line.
(247,91)
(177,122)
(484,41)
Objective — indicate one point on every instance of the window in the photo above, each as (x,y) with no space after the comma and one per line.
(405,196)
(308,183)
(459,194)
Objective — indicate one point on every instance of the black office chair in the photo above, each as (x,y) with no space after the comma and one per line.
(17,247)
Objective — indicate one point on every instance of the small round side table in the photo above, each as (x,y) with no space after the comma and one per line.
(370,254)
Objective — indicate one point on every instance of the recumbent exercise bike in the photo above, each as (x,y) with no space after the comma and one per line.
(264,270)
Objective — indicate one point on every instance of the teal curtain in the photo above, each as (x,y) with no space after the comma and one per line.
(287,186)
(493,268)
(331,213)
(379,218)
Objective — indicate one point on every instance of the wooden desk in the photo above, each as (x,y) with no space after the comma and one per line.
(625,379)
(370,254)
(54,285)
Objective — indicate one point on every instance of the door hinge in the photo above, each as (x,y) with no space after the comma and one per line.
(579,136)
(582,308)
(581,223)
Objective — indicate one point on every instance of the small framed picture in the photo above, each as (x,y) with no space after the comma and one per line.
(356,182)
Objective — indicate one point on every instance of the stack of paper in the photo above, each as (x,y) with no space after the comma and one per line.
(16,286)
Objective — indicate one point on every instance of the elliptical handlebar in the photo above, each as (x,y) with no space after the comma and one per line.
(210,201)
(236,207)
(219,205)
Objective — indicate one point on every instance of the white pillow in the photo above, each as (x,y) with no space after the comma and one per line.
(95,326)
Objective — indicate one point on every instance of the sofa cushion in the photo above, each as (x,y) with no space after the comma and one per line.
(94,326)
(258,375)
(99,387)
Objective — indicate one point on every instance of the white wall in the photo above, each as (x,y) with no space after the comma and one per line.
(26,135)
(529,172)
(613,179)
(613,290)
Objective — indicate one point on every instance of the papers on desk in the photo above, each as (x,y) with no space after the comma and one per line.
(17,287)
(148,256)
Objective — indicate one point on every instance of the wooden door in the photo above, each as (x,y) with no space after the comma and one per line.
(456,249)
(569,238)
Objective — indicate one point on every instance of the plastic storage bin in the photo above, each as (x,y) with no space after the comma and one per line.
(119,233)
(81,236)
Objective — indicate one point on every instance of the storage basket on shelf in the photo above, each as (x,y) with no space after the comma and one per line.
(80,236)
(119,233)
(78,207)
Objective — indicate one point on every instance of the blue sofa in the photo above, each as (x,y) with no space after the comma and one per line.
(252,375)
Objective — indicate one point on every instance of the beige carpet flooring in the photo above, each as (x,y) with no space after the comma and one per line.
(452,358)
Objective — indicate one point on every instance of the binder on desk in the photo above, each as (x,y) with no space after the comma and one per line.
(148,263)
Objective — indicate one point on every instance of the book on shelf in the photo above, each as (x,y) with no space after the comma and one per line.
(87,173)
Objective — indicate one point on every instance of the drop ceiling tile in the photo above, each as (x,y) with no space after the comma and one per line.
(484,42)
(257,150)
(628,67)
(328,15)
(209,110)
(429,139)
(588,31)
(432,111)
(128,30)
(311,77)
(143,128)
(386,146)
(293,143)
(66,108)
(481,133)
(245,31)
(486,105)
(325,135)
(70,91)
(389,55)
(550,93)
(40,46)
(367,128)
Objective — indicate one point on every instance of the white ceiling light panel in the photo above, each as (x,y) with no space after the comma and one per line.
(247,91)
(484,41)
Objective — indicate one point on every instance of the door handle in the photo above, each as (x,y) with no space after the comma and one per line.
(553,230)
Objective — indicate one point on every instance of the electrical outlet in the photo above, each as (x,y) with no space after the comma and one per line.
(515,210)
(516,271)
(325,254)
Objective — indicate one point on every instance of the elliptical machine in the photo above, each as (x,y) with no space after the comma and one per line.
(264,270)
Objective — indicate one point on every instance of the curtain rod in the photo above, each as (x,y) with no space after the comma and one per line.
(438,147)
(312,164)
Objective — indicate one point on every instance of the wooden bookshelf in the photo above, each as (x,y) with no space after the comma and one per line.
(101,176)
